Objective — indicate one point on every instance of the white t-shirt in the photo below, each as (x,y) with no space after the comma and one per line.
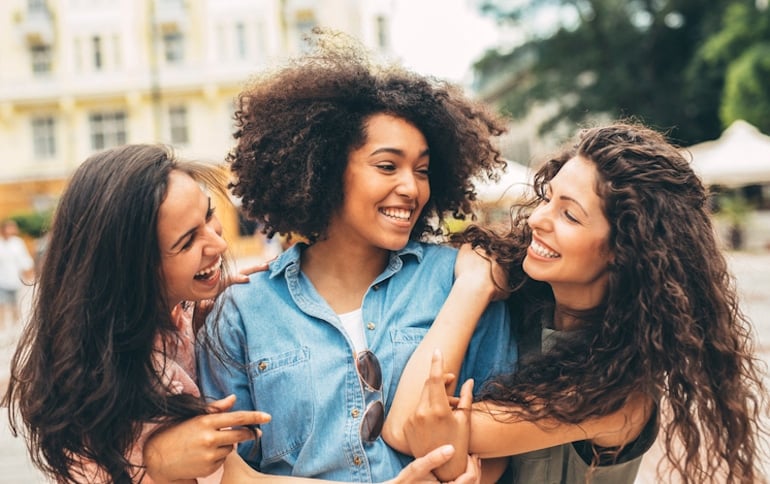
(353,324)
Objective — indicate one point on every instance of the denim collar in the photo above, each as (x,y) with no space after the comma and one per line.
(292,255)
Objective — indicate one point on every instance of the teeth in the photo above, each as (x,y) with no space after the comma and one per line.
(542,251)
(397,213)
(209,269)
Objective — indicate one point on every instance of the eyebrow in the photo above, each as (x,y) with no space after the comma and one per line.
(397,151)
(570,199)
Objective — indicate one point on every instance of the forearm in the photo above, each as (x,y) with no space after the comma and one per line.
(451,333)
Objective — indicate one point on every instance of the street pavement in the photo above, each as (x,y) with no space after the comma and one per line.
(752,272)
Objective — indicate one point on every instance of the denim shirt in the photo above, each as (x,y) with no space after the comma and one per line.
(288,355)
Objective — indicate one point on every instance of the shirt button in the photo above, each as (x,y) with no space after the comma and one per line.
(262,366)
(354,412)
(357,460)
(370,326)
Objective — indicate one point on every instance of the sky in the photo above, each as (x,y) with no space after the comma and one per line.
(441,37)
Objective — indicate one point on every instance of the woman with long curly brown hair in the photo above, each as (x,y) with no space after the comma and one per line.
(627,318)
(364,162)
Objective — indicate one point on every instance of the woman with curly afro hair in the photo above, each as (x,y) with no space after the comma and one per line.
(364,162)
(628,321)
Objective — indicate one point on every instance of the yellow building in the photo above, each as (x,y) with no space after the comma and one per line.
(79,76)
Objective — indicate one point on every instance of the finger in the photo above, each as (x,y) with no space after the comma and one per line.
(472,472)
(253,269)
(222,405)
(230,436)
(436,389)
(466,395)
(237,279)
(240,418)
(422,467)
(449,378)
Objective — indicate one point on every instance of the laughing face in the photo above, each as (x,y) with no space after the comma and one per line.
(570,237)
(191,243)
(386,186)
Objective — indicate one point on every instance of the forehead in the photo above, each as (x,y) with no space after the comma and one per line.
(183,201)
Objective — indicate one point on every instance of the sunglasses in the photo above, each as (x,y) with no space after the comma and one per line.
(370,374)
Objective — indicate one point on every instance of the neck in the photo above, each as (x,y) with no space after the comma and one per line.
(341,275)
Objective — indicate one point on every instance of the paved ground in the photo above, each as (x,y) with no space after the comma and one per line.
(752,272)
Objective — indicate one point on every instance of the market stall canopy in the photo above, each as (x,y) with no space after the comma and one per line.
(741,156)
(514,184)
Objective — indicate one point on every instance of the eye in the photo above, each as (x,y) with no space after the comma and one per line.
(210,213)
(570,217)
(189,243)
(386,166)
(424,172)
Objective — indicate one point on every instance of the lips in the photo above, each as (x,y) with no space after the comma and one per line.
(400,214)
(542,250)
(210,271)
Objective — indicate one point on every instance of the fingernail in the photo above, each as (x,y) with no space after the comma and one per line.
(447,450)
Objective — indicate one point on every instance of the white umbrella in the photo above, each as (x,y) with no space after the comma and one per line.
(741,156)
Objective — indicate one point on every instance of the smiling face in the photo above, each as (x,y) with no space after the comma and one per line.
(385,186)
(190,239)
(570,237)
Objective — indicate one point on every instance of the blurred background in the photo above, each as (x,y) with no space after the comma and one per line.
(78,76)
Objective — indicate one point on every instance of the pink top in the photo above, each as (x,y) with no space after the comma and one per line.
(179,377)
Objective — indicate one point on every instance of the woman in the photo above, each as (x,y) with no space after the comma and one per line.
(363,162)
(628,315)
(106,355)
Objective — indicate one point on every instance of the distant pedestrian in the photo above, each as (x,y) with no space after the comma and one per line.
(16,268)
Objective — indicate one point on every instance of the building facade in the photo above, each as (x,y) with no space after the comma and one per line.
(79,76)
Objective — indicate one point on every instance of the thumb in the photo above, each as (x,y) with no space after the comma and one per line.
(222,405)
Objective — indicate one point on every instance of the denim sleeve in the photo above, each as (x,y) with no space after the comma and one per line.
(222,366)
(492,349)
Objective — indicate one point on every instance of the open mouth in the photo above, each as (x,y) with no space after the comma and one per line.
(399,214)
(543,251)
(209,272)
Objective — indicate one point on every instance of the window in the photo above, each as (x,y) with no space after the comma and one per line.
(44,137)
(41,59)
(37,6)
(96,45)
(177,117)
(240,40)
(108,129)
(173,47)
(383,42)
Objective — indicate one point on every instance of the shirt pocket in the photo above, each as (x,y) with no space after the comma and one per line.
(283,387)
(404,342)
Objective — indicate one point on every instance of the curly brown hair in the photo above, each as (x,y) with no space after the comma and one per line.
(670,325)
(297,125)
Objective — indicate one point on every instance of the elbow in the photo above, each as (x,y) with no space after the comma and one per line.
(393,435)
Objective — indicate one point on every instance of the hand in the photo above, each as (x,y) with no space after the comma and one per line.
(243,275)
(197,447)
(477,264)
(204,306)
(435,421)
(420,470)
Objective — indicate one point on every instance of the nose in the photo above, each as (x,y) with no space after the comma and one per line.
(216,244)
(540,218)
(407,185)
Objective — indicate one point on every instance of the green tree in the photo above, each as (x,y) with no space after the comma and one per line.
(616,58)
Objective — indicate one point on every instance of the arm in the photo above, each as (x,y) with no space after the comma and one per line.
(495,434)
(418,471)
(471,292)
(198,447)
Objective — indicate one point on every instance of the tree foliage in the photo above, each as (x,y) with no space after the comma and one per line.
(665,62)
